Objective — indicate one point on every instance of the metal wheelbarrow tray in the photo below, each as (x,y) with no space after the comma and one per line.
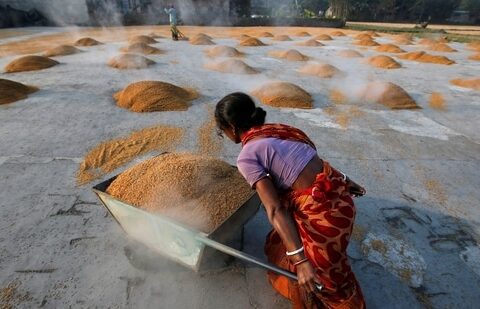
(174,240)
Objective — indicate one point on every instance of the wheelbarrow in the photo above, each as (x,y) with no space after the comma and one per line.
(183,244)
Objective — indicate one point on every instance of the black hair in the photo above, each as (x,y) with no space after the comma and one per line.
(238,110)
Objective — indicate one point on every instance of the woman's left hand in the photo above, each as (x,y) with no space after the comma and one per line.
(306,277)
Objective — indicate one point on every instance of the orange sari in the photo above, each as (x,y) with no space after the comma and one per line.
(324,215)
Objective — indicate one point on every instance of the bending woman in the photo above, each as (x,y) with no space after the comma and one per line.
(308,203)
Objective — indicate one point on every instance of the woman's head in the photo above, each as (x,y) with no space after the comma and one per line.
(237,113)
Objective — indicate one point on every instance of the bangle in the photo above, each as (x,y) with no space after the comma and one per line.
(344,176)
(300,262)
(290,253)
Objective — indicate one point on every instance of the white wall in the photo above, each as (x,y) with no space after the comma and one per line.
(63,12)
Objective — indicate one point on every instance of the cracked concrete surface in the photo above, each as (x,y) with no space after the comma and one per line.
(66,251)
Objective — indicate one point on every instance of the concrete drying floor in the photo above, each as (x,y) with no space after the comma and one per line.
(416,241)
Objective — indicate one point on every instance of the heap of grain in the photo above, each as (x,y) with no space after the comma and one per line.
(30,63)
(291,55)
(388,94)
(389,48)
(142,39)
(349,53)
(154,96)
(337,96)
(203,35)
(11,91)
(474,45)
(244,36)
(110,155)
(437,101)
(366,42)
(427,41)
(129,61)
(281,37)
(421,56)
(251,42)
(283,94)
(323,37)
(383,62)
(310,43)
(441,47)
(322,70)
(207,137)
(372,33)
(199,191)
(141,48)
(473,83)
(337,33)
(363,36)
(155,35)
(302,33)
(86,42)
(403,41)
(235,66)
(266,35)
(61,50)
(222,51)
(474,57)
(200,39)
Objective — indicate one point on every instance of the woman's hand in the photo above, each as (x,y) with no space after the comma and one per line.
(306,277)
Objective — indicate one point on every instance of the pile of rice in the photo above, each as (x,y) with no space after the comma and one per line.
(11,91)
(291,55)
(422,56)
(349,53)
(383,62)
(129,61)
(323,70)
(142,39)
(283,94)
(30,63)
(231,66)
(86,42)
(141,48)
(61,50)
(388,94)
(389,48)
(197,190)
(222,51)
(251,42)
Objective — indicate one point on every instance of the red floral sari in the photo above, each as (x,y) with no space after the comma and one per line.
(324,216)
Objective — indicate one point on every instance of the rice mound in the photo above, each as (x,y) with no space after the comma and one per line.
(203,35)
(474,45)
(281,37)
(303,33)
(427,41)
(366,42)
(337,33)
(283,94)
(437,101)
(251,42)
(311,43)
(383,62)
(323,70)
(222,51)
(474,57)
(441,47)
(349,53)
(86,42)
(244,36)
(154,96)
(142,39)
(389,48)
(201,40)
(290,55)
(336,96)
(389,95)
(421,56)
(109,155)
(363,36)
(231,66)
(372,33)
(323,37)
(11,91)
(403,41)
(197,190)
(473,83)
(154,35)
(266,35)
(30,63)
(61,50)
(141,48)
(129,61)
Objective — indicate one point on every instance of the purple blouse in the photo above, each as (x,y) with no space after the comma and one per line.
(283,160)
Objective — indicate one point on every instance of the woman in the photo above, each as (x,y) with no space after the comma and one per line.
(308,203)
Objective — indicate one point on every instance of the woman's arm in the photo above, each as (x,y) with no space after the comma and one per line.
(282,222)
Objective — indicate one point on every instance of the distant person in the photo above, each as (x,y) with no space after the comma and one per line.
(172,13)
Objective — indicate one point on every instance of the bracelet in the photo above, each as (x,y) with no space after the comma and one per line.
(300,262)
(344,176)
(295,251)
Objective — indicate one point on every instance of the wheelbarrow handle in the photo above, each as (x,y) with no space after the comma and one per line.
(249,258)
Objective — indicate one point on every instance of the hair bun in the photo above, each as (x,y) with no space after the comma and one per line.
(258,116)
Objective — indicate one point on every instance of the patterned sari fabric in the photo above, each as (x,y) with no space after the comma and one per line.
(324,216)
